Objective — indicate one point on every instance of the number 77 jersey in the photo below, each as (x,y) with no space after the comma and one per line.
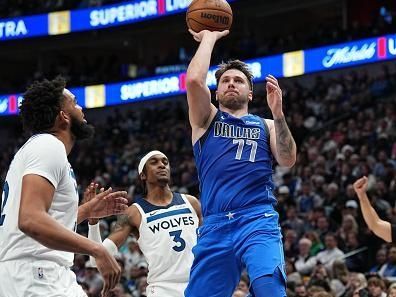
(167,235)
(234,163)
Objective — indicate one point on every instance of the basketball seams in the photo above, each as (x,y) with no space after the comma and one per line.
(208,9)
(202,24)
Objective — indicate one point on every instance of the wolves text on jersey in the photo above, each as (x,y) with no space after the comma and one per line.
(171,223)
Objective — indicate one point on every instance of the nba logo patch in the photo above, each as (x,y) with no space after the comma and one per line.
(40,273)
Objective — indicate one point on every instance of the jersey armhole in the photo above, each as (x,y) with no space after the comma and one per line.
(266,129)
(206,134)
(142,214)
(184,197)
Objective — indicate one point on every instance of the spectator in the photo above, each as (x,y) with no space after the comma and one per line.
(331,253)
(93,279)
(380,260)
(388,270)
(376,287)
(305,262)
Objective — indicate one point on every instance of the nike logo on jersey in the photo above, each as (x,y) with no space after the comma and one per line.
(153,212)
(267,215)
(172,223)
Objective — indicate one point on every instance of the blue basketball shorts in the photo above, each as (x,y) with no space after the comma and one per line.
(229,241)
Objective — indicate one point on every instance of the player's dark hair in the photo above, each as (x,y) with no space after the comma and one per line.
(238,65)
(41,104)
(143,182)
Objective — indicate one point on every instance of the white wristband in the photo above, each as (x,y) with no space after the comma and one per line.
(94,235)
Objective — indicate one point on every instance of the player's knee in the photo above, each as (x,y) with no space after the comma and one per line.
(269,285)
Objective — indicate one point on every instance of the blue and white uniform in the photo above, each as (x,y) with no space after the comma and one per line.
(240,226)
(167,235)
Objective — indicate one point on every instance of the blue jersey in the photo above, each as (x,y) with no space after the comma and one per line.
(234,163)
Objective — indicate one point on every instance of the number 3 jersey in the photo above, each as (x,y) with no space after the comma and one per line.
(234,163)
(167,235)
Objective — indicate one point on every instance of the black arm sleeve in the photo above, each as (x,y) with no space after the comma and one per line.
(393,230)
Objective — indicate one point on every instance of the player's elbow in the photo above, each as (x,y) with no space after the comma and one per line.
(27,224)
(194,80)
(287,162)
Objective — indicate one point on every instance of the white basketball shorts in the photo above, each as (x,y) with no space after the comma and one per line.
(37,278)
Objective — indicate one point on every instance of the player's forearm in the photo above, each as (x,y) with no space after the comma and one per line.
(83,213)
(369,213)
(199,65)
(108,244)
(47,231)
(285,145)
(380,227)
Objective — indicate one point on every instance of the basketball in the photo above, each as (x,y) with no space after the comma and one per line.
(212,15)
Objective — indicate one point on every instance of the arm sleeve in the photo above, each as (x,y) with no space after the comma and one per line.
(46,157)
(393,228)
(94,235)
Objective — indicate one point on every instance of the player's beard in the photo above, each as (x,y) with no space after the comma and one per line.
(233,103)
(81,130)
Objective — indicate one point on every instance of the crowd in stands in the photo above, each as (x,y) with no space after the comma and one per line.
(344,128)
(88,67)
(17,8)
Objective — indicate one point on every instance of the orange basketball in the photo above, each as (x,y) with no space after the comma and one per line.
(212,15)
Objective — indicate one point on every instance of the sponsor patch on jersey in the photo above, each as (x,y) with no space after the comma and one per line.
(252,123)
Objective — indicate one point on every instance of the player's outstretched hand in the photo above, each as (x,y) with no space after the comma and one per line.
(106,203)
(109,269)
(200,35)
(274,96)
(360,186)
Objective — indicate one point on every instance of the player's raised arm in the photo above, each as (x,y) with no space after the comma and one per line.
(380,227)
(201,110)
(283,146)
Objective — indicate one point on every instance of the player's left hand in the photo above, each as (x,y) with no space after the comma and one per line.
(274,96)
(106,203)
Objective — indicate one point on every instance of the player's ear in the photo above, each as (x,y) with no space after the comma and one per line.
(143,176)
(216,96)
(250,95)
(64,117)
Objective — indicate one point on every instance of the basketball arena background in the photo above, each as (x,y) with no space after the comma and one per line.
(126,62)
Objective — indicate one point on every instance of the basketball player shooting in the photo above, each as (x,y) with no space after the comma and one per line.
(233,152)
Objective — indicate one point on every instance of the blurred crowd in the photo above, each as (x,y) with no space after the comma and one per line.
(17,8)
(344,128)
(135,56)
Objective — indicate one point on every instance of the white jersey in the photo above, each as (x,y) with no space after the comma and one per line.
(44,155)
(166,238)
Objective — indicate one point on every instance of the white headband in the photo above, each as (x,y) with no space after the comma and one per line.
(144,160)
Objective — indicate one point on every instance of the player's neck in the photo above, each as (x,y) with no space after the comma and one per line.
(159,195)
(66,138)
(236,113)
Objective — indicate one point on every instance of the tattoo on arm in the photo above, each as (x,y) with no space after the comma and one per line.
(285,144)
(122,221)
